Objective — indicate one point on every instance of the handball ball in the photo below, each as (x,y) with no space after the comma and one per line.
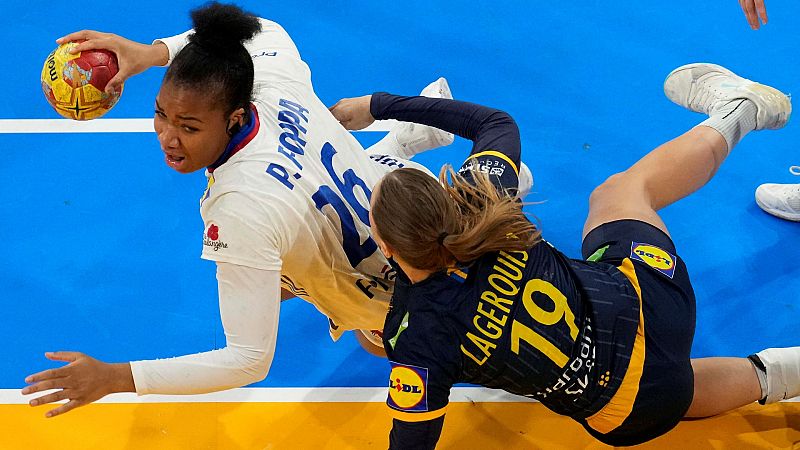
(74,85)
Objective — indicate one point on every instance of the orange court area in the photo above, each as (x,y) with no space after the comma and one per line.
(293,426)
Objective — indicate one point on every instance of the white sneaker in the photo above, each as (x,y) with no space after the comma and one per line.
(706,88)
(781,200)
(525,181)
(406,139)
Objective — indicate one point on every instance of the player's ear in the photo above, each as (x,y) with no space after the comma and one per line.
(387,251)
(235,121)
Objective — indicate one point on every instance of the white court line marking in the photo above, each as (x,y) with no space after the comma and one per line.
(282,395)
(38,126)
(290,395)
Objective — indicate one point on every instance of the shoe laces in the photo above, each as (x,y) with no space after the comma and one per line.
(708,92)
(795,201)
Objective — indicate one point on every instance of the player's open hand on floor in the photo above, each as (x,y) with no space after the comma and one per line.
(81,382)
(353,113)
(133,57)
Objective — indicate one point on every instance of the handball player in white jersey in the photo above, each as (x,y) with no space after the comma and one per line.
(285,206)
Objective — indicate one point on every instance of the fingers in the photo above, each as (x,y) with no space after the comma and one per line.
(749,8)
(78,36)
(63,356)
(69,406)
(762,10)
(114,85)
(46,385)
(49,374)
(50,398)
(335,105)
(340,112)
(92,44)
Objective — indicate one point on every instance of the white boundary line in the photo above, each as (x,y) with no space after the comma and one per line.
(38,126)
(283,395)
(291,395)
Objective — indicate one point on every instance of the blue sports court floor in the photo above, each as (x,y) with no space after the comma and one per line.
(102,241)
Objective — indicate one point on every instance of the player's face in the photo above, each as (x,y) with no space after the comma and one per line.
(191,129)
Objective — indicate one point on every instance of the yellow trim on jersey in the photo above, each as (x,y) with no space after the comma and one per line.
(499,155)
(208,187)
(458,272)
(621,404)
(417,417)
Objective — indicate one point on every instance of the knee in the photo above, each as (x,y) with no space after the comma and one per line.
(614,188)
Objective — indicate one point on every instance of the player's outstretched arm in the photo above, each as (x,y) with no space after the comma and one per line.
(133,57)
(496,148)
(249,308)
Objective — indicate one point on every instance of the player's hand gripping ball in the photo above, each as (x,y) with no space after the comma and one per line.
(75,84)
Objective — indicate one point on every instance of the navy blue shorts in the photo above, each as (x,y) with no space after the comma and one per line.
(668,305)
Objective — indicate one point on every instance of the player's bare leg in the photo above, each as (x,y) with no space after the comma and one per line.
(668,173)
(724,384)
(680,167)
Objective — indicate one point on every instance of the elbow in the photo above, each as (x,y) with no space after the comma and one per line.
(253,364)
(503,119)
(258,369)
(500,123)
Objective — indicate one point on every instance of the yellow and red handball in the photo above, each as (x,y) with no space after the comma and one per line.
(74,85)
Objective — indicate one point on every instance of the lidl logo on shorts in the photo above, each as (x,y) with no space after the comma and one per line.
(655,257)
(408,386)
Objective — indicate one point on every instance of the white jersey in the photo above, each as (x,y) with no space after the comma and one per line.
(295,196)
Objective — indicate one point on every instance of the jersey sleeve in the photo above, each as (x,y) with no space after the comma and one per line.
(249,304)
(175,43)
(275,56)
(242,231)
(496,147)
(425,366)
(415,435)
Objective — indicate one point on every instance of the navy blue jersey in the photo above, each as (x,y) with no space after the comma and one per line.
(532,323)
(595,340)
(496,147)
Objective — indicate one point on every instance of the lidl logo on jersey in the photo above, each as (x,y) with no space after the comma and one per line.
(655,257)
(408,388)
(211,238)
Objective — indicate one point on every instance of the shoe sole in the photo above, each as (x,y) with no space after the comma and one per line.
(777,212)
(761,94)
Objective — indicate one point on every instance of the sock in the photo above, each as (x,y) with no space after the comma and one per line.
(761,373)
(733,120)
(782,372)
